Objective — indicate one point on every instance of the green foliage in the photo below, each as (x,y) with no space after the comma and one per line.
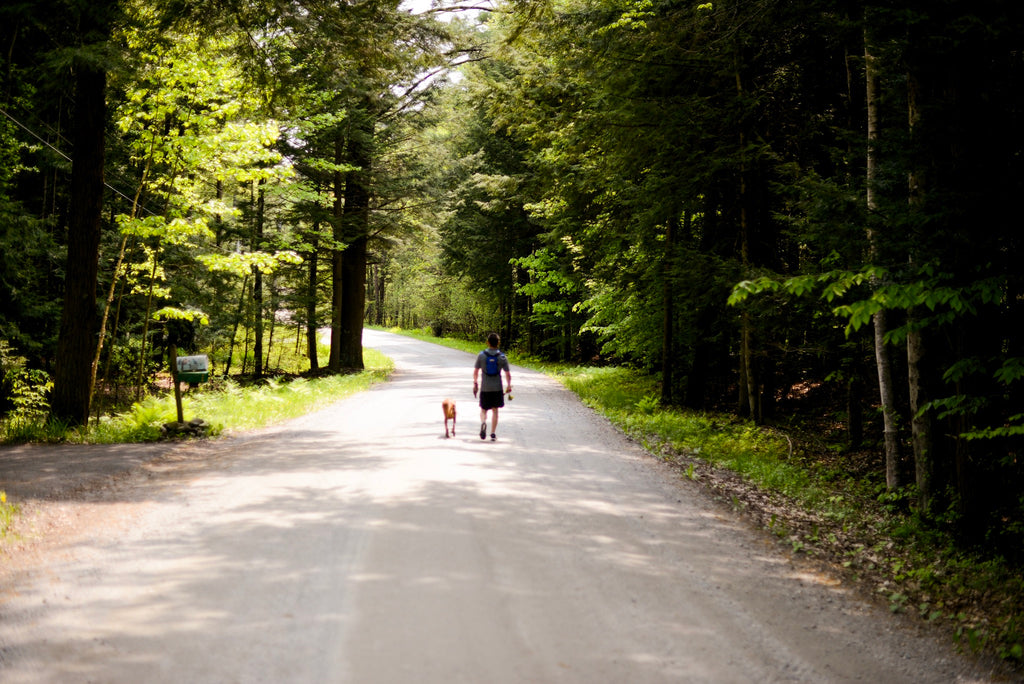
(241,265)
(29,301)
(141,423)
(554,293)
(649,404)
(483,186)
(42,430)
(227,405)
(29,390)
(24,394)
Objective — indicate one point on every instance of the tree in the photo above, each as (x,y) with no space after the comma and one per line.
(880,326)
(72,384)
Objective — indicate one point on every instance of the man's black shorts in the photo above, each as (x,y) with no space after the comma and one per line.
(492,400)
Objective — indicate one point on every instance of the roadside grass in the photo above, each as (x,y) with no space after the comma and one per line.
(630,401)
(424,335)
(223,403)
(813,506)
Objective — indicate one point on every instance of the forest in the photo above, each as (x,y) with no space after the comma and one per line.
(800,210)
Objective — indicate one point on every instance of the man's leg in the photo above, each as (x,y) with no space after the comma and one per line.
(483,423)
(494,422)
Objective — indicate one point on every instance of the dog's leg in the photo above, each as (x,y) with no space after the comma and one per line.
(448,407)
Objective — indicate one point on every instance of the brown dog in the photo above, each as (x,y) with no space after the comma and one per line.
(448,406)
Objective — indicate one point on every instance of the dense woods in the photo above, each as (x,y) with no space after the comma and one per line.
(785,209)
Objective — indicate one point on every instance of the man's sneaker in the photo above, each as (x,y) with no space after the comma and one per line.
(493,438)
(483,430)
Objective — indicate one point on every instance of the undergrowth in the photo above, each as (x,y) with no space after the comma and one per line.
(225,404)
(222,403)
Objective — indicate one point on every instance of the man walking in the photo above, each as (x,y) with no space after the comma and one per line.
(492,362)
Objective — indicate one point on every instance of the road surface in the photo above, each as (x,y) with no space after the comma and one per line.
(359,545)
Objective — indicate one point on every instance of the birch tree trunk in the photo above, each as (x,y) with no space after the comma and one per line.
(748,376)
(145,328)
(883,358)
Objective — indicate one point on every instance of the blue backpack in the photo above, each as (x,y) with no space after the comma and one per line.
(491,365)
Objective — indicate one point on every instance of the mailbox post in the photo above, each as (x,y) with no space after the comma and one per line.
(190,369)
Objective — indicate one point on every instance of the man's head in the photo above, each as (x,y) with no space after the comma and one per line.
(493,340)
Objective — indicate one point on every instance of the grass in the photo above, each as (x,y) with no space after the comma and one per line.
(226,404)
(423,334)
(629,400)
(222,403)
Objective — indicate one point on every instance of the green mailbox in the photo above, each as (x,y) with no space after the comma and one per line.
(193,369)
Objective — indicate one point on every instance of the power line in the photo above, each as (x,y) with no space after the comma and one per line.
(66,157)
(33,134)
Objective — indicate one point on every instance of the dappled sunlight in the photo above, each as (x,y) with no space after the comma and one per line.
(373,551)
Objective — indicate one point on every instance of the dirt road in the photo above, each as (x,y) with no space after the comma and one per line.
(359,545)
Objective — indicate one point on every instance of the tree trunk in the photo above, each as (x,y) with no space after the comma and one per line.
(379,292)
(172,358)
(883,361)
(257,286)
(245,351)
(748,376)
(311,287)
(110,355)
(76,344)
(353,259)
(234,329)
(920,372)
(353,304)
(669,396)
(145,327)
(921,424)
(106,309)
(854,410)
(274,301)
(337,263)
